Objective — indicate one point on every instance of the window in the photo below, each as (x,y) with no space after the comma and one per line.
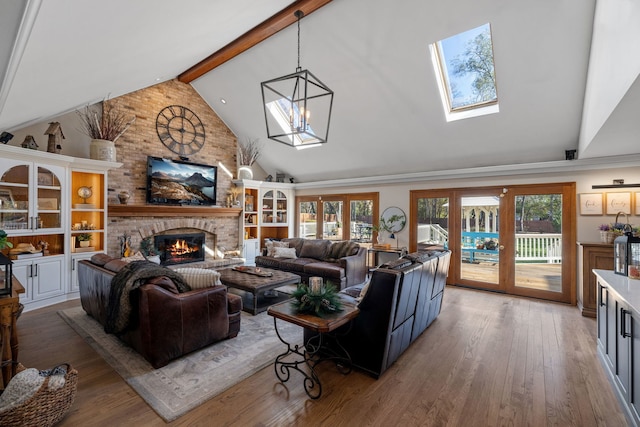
(338,216)
(466,74)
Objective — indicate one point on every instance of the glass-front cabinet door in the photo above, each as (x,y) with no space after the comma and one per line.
(31,198)
(274,207)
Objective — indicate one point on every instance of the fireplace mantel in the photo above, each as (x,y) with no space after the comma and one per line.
(170,210)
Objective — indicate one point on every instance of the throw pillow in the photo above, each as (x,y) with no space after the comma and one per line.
(154,259)
(21,387)
(199,278)
(284,252)
(272,244)
(135,257)
(342,249)
(316,248)
(100,259)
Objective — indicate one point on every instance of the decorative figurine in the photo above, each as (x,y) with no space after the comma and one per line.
(29,142)
(125,245)
(44,247)
(55,137)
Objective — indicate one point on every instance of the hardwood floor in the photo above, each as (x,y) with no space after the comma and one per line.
(488,360)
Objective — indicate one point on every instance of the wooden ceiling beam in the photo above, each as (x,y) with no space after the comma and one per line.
(261,32)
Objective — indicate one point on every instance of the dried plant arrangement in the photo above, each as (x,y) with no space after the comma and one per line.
(109,125)
(249,152)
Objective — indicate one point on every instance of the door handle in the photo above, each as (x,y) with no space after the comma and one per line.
(623,323)
(501,247)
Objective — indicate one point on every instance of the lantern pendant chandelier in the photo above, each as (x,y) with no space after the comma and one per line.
(297,107)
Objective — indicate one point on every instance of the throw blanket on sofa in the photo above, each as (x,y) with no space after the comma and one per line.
(130,277)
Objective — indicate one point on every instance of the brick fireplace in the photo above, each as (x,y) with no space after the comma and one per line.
(220,233)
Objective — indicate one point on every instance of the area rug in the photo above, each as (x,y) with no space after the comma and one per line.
(195,378)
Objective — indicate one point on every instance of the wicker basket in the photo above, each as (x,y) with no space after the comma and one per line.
(46,407)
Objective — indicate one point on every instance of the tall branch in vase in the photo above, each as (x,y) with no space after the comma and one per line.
(249,151)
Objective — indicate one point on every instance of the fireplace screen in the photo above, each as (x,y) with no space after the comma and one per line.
(180,248)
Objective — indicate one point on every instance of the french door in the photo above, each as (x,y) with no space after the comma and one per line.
(518,240)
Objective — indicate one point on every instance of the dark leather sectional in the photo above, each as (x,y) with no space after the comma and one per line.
(402,299)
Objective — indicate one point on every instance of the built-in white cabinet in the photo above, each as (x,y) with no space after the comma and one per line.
(618,328)
(75,258)
(267,214)
(250,251)
(41,205)
(42,277)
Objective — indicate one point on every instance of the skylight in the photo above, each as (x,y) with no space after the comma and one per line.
(466,73)
(305,136)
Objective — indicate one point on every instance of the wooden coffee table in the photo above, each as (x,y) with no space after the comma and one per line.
(315,350)
(257,292)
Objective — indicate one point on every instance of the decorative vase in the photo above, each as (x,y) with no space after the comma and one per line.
(124,196)
(102,149)
(245,172)
(84,243)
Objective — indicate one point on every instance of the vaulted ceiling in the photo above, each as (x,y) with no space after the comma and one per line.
(387,116)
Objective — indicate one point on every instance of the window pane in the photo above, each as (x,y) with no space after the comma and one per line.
(307,215)
(538,225)
(433,222)
(361,221)
(332,220)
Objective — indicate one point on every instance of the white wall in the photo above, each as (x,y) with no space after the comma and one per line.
(587,226)
(75,143)
(614,63)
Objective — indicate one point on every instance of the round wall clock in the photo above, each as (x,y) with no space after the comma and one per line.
(180,130)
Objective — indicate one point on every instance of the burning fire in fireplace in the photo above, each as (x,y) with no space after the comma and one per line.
(180,248)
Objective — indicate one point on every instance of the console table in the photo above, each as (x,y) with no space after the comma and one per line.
(309,354)
(10,309)
(389,252)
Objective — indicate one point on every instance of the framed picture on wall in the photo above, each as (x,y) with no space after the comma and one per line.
(636,199)
(591,204)
(618,202)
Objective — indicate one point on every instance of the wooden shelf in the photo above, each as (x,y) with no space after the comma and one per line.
(170,210)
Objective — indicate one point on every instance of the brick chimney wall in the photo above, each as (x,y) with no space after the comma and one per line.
(141,140)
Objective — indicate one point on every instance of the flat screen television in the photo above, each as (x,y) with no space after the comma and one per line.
(176,182)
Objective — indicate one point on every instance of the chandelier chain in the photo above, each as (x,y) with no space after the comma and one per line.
(299,14)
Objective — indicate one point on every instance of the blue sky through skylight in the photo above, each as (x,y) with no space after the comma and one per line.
(460,87)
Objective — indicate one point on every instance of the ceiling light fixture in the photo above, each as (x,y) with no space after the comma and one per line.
(297,107)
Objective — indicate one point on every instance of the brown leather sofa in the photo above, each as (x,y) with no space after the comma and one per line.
(402,299)
(342,263)
(163,325)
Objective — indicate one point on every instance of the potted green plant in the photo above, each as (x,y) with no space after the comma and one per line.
(84,239)
(4,243)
